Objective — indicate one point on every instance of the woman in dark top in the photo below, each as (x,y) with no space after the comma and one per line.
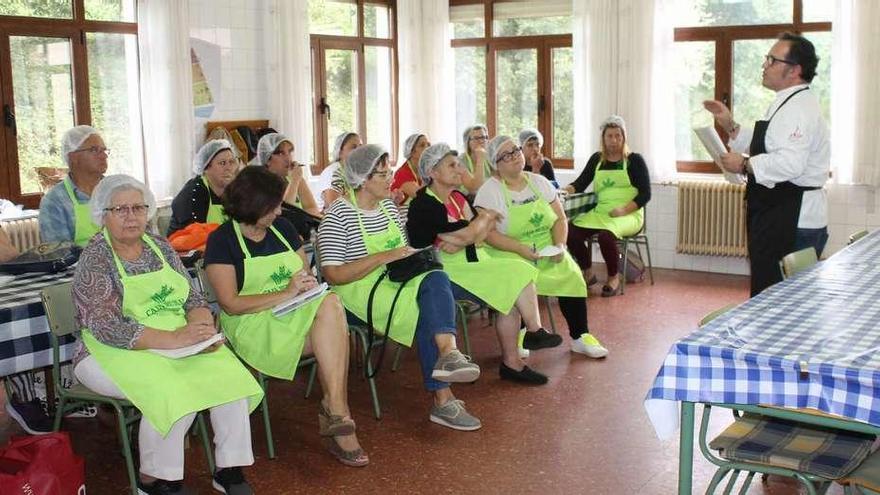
(531,141)
(199,200)
(254,262)
(440,215)
(623,188)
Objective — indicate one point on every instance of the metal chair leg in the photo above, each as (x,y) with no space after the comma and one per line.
(716,479)
(731,482)
(625,264)
(377,411)
(206,441)
(397,355)
(550,314)
(264,408)
(313,372)
(744,489)
(462,314)
(126,447)
(650,263)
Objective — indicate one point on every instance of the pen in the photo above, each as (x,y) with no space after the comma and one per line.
(535,250)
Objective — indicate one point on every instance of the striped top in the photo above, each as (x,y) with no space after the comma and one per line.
(339,235)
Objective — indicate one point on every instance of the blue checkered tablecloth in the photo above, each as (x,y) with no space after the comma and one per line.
(810,341)
(24,331)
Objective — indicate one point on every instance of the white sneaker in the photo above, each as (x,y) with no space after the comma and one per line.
(523,353)
(589,346)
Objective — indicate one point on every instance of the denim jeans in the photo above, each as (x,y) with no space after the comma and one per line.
(815,238)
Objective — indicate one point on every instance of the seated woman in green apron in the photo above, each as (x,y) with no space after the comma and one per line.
(131,294)
(362,233)
(440,216)
(406,178)
(275,152)
(331,182)
(199,201)
(533,227)
(256,261)
(474,158)
(623,188)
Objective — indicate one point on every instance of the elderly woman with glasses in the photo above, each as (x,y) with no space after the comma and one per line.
(406,178)
(361,234)
(199,201)
(532,226)
(623,188)
(331,182)
(474,158)
(132,294)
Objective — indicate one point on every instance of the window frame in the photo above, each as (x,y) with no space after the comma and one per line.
(74,29)
(319,43)
(724,37)
(544,45)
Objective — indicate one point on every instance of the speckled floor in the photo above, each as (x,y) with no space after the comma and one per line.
(584,432)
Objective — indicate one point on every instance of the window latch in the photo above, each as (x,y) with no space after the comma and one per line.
(9,118)
(725,98)
(324,107)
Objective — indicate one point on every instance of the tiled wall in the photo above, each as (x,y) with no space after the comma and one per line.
(236,27)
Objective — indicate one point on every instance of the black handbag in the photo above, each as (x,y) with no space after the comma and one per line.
(400,271)
(50,257)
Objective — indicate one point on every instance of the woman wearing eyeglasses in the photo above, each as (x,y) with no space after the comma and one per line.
(132,294)
(361,234)
(477,168)
(331,182)
(199,201)
(532,226)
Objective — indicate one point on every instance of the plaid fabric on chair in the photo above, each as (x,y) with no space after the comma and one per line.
(867,475)
(824,452)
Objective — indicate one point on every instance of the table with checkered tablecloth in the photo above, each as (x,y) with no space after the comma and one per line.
(811,341)
(24,331)
(577,203)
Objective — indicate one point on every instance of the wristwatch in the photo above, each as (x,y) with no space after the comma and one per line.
(746,164)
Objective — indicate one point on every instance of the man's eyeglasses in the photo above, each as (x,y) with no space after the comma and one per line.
(123,211)
(95,150)
(770,60)
(508,156)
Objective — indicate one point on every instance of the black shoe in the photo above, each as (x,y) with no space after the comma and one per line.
(231,481)
(541,339)
(30,416)
(163,487)
(525,375)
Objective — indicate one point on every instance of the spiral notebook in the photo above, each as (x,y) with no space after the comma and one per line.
(300,300)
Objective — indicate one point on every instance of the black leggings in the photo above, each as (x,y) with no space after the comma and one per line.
(574,310)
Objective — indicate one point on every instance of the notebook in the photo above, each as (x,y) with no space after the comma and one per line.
(299,300)
(189,350)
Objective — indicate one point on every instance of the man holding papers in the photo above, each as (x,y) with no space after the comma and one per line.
(787,162)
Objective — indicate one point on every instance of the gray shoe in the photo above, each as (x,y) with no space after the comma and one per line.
(454,415)
(455,367)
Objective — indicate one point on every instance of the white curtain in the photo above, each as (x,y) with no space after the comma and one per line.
(855,111)
(426,80)
(166,94)
(621,53)
(289,72)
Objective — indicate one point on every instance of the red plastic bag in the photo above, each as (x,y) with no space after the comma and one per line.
(41,465)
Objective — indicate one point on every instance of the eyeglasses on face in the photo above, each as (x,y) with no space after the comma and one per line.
(770,60)
(123,211)
(95,150)
(510,155)
(481,137)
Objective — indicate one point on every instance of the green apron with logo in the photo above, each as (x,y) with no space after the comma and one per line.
(613,189)
(532,224)
(83,226)
(469,162)
(355,295)
(216,214)
(496,281)
(166,389)
(272,345)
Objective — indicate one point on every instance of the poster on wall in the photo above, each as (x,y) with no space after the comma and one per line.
(205,58)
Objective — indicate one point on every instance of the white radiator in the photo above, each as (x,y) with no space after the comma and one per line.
(711,219)
(24,234)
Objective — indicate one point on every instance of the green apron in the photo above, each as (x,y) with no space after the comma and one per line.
(166,389)
(84,228)
(532,224)
(483,278)
(355,294)
(469,162)
(216,214)
(613,189)
(273,345)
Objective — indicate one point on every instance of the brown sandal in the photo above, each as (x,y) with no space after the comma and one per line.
(352,458)
(332,425)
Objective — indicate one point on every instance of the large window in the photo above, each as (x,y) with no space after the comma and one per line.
(513,69)
(65,63)
(719,49)
(353,64)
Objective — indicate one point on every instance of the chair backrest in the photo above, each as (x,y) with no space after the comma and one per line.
(207,289)
(856,236)
(798,261)
(715,314)
(58,303)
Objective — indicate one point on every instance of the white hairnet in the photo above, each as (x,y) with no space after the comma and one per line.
(410,144)
(530,133)
(361,163)
(614,121)
(207,153)
(74,138)
(102,196)
(432,156)
(464,135)
(494,146)
(340,142)
(267,145)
